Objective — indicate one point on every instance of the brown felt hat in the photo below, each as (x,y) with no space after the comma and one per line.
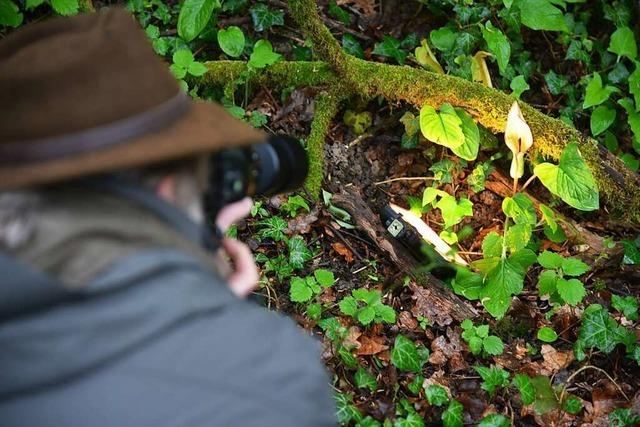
(88,94)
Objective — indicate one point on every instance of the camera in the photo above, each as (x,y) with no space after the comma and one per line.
(275,166)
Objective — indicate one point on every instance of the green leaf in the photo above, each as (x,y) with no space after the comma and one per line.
(65,7)
(324,277)
(595,93)
(366,315)
(546,399)
(505,280)
(493,345)
(436,395)
(600,330)
(623,417)
(468,150)
(492,378)
(547,334)
(475,345)
(574,267)
(314,311)
(194,16)
(634,85)
(623,43)
(351,45)
(626,305)
(495,420)
(444,128)
(572,404)
(364,379)
(467,284)
(549,217)
(426,58)
(183,58)
(386,313)
(492,245)
(547,282)
(231,41)
(601,118)
(541,15)
(349,306)
(10,14)
(633,118)
(264,18)
(299,291)
(498,45)
(390,47)
(197,69)
(519,85)
(443,38)
(453,415)
(572,290)
(520,208)
(263,55)
(454,210)
(405,355)
(571,180)
(299,252)
(527,392)
(345,410)
(550,260)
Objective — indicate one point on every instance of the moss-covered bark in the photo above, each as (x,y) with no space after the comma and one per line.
(325,110)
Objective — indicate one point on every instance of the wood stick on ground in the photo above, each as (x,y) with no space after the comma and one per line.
(444,305)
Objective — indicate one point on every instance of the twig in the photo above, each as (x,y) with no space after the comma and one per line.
(339,234)
(527,182)
(584,368)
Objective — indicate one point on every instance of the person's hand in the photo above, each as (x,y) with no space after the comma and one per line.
(244,276)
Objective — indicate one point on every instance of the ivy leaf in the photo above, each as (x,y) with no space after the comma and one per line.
(436,395)
(65,7)
(263,55)
(264,18)
(444,127)
(519,85)
(571,180)
(453,415)
(547,282)
(595,93)
(299,291)
(547,334)
(351,45)
(10,14)
(623,43)
(495,420)
(541,15)
(194,16)
(601,331)
(299,252)
(527,392)
(572,290)
(231,41)
(405,355)
(364,379)
(492,378)
(601,118)
(390,47)
(626,305)
(345,410)
(505,280)
(468,150)
(498,45)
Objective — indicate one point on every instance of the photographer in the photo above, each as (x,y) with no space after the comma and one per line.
(113,312)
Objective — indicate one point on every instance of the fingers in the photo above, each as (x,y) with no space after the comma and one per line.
(244,277)
(232,213)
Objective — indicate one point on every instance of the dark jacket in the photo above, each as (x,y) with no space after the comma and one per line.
(112,314)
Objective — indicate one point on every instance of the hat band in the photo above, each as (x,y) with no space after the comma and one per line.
(51,148)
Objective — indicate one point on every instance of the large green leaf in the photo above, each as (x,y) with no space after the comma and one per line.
(571,180)
(601,118)
(504,280)
(520,208)
(454,210)
(194,16)
(572,290)
(546,399)
(498,44)
(405,355)
(444,127)
(596,93)
(601,331)
(10,14)
(623,43)
(541,15)
(468,150)
(231,41)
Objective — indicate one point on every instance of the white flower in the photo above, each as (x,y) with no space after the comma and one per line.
(518,137)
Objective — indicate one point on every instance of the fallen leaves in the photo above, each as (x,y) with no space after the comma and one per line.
(368,7)
(424,306)
(343,250)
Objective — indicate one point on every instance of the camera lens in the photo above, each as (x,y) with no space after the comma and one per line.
(280,165)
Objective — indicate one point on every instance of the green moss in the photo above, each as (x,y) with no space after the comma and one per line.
(326,107)
(85,6)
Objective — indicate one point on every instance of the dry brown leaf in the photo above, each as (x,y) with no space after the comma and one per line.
(343,250)
(407,321)
(370,345)
(368,7)
(424,307)
(555,360)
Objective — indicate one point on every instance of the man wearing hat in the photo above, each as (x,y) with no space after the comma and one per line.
(112,312)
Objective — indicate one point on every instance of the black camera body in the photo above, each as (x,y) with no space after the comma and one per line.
(278,165)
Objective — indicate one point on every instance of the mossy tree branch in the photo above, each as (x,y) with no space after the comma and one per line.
(619,186)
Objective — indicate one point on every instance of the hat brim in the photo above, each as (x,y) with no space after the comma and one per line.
(206,127)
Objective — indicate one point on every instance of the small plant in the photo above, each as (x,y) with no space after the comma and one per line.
(623,417)
(628,306)
(537,391)
(600,330)
(492,378)
(479,339)
(304,288)
(436,395)
(407,356)
(272,228)
(552,281)
(367,307)
(293,204)
(364,379)
(547,334)
(184,63)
